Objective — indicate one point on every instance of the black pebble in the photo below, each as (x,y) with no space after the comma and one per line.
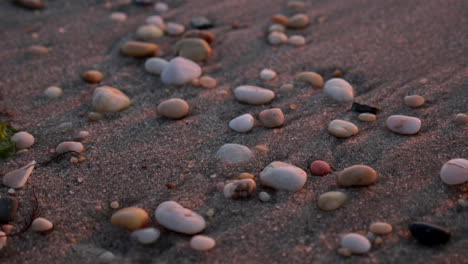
(143,2)
(8,208)
(362,108)
(428,234)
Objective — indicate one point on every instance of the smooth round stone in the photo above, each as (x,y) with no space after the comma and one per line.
(264,197)
(243,123)
(319,168)
(283,176)
(367,117)
(108,99)
(93,76)
(234,153)
(461,119)
(161,7)
(195,49)
(313,78)
(157,21)
(380,228)
(149,32)
(297,40)
(271,117)
(173,108)
(118,17)
(69,146)
(331,200)
(8,207)
(23,140)
(201,34)
(357,175)
(454,171)
(146,235)
(253,94)
(276,27)
(339,90)
(37,50)
(18,178)
(3,240)
(201,22)
(180,71)
(132,218)
(31,4)
(208,82)
(41,225)
(414,101)
(356,243)
(174,217)
(53,92)
(277,38)
(139,49)
(202,243)
(82,135)
(239,189)
(155,65)
(298,21)
(406,125)
(282,19)
(267,74)
(342,129)
(428,234)
(174,29)
(106,257)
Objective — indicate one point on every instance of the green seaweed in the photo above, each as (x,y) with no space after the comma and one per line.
(7,147)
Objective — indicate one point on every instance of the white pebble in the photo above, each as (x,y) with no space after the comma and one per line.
(356,243)
(41,225)
(253,94)
(283,176)
(243,123)
(118,16)
(149,32)
(106,257)
(202,243)
(339,90)
(406,125)
(454,171)
(342,129)
(69,146)
(180,71)
(157,21)
(108,99)
(174,29)
(23,140)
(264,197)
(155,65)
(53,92)
(267,74)
(234,153)
(173,216)
(161,7)
(297,40)
(277,38)
(146,235)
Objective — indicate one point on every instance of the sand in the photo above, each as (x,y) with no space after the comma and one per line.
(385,48)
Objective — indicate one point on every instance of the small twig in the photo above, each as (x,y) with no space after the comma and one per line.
(55,158)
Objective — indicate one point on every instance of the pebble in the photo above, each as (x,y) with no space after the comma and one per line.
(132,218)
(8,207)
(253,94)
(53,92)
(264,197)
(282,19)
(31,4)
(286,88)
(319,168)
(414,101)
(357,175)
(380,228)
(337,73)
(367,117)
(93,76)
(283,176)
(239,189)
(3,240)
(149,32)
(245,175)
(114,205)
(267,74)
(277,38)
(331,200)
(356,243)
(23,140)
(201,34)
(342,129)
(180,71)
(243,123)
(82,135)
(339,90)
(108,99)
(37,50)
(428,234)
(17,178)
(195,49)
(297,40)
(277,27)
(155,65)
(201,22)
(95,116)
(202,243)
(406,125)
(161,7)
(41,225)
(174,29)
(118,17)
(146,236)
(210,212)
(298,21)
(106,257)
(344,252)
(174,217)
(454,172)
(463,202)
(208,82)
(174,108)
(234,153)
(68,146)
(271,117)
(157,21)
(313,78)
(461,119)
(138,49)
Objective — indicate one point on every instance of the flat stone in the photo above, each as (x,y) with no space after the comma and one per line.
(253,95)
(405,125)
(174,217)
(69,146)
(157,21)
(155,65)
(202,243)
(319,168)
(53,92)
(23,140)
(267,74)
(428,234)
(283,176)
(271,117)
(414,101)
(93,76)
(109,99)
(380,228)
(195,49)
(8,207)
(174,108)
(201,34)
(243,123)
(17,178)
(41,224)
(239,189)
(331,200)
(454,172)
(180,71)
(342,129)
(146,236)
(132,218)
(149,32)
(234,153)
(357,175)
(367,117)
(356,243)
(174,29)
(277,38)
(313,78)
(339,90)
(139,49)
(298,21)
(37,50)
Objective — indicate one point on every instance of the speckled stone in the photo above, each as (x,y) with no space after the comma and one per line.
(405,125)
(132,218)
(277,27)
(174,217)
(357,175)
(118,17)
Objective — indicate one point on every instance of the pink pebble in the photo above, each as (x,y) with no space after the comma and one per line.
(319,168)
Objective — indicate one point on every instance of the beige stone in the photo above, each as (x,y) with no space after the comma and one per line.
(139,49)
(173,108)
(312,78)
(357,175)
(131,218)
(271,117)
(195,49)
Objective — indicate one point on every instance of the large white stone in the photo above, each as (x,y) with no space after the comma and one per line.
(234,153)
(243,123)
(68,146)
(17,178)
(253,94)
(23,140)
(454,171)
(108,99)
(339,90)
(173,216)
(356,243)
(406,125)
(180,71)
(283,176)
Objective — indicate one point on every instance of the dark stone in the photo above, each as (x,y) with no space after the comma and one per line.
(428,234)
(201,23)
(362,108)
(8,208)
(31,4)
(143,2)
